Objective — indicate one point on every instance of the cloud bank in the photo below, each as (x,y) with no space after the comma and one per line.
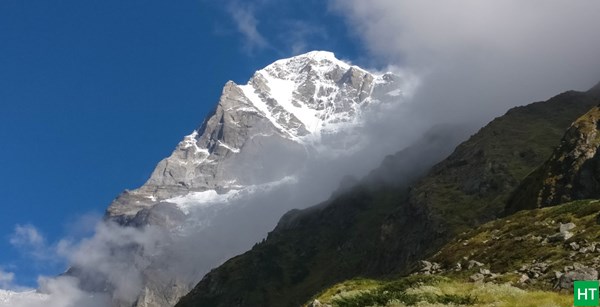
(479,57)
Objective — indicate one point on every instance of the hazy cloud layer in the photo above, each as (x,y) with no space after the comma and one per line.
(478,57)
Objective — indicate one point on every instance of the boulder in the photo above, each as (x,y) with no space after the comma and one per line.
(566,227)
(582,273)
(477,277)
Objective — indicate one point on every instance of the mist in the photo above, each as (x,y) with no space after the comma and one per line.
(478,58)
(466,61)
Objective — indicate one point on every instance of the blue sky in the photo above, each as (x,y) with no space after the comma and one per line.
(94,93)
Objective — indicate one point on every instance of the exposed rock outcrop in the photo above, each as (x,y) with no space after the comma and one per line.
(259,136)
(571,173)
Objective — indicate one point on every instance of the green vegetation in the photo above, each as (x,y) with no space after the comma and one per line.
(435,291)
(473,184)
(503,246)
(564,177)
(507,244)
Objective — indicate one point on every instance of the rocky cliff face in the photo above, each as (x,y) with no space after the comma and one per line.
(256,141)
(571,173)
(262,131)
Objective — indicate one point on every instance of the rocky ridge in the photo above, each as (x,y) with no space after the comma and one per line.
(289,109)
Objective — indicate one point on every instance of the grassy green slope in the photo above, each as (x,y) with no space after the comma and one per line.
(509,248)
(506,245)
(435,291)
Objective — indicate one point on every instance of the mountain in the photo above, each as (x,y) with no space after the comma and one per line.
(530,258)
(261,143)
(571,173)
(384,230)
(262,131)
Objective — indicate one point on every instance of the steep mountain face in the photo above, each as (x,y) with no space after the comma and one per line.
(235,169)
(571,173)
(385,230)
(263,131)
(334,240)
(474,183)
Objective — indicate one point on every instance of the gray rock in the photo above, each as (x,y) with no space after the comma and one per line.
(458,267)
(574,246)
(524,278)
(566,227)
(430,267)
(535,270)
(578,266)
(566,280)
(316,303)
(472,263)
(557,274)
(560,237)
(477,277)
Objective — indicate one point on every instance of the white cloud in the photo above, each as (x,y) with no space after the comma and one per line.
(247,24)
(31,242)
(108,255)
(27,235)
(6,279)
(479,57)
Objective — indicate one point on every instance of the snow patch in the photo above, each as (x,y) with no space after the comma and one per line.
(209,198)
(253,97)
(189,141)
(201,199)
(235,150)
(282,91)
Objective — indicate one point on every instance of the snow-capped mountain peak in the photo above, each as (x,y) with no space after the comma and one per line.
(285,109)
(261,138)
(311,93)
